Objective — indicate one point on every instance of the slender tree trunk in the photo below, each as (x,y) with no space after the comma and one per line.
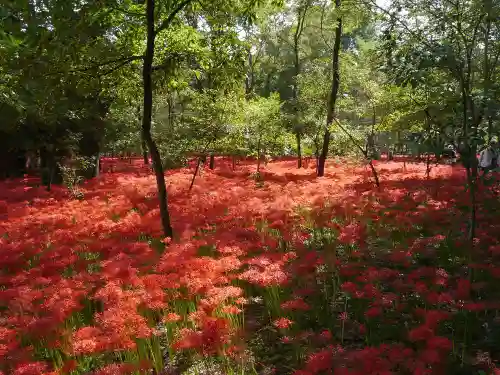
(370,141)
(145,155)
(299,150)
(249,81)
(267,86)
(472,182)
(195,173)
(144,145)
(258,155)
(375,174)
(301,16)
(469,153)
(332,100)
(147,117)
(54,175)
(211,163)
(316,150)
(428,166)
(201,160)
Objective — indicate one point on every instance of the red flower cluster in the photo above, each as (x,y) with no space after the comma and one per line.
(368,281)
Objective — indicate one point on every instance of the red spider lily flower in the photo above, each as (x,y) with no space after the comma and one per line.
(88,340)
(116,369)
(231,309)
(320,361)
(421,333)
(8,340)
(171,318)
(214,334)
(286,340)
(278,224)
(32,368)
(439,343)
(326,335)
(290,256)
(430,356)
(282,323)
(348,287)
(241,301)
(297,304)
(373,312)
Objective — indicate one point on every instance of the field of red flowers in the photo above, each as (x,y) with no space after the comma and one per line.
(286,274)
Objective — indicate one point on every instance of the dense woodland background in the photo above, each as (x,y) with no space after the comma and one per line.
(244,78)
(194,82)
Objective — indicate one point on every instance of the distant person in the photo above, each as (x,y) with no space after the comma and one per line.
(488,158)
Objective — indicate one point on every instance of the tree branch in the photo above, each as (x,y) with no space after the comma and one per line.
(122,60)
(365,153)
(284,40)
(353,140)
(115,68)
(166,23)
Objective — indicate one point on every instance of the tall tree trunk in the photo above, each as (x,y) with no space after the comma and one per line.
(249,80)
(428,166)
(299,150)
(97,166)
(468,154)
(258,155)
(301,16)
(144,145)
(147,116)
(145,155)
(211,163)
(317,145)
(267,86)
(50,171)
(332,100)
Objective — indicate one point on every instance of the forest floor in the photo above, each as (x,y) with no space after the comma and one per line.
(286,274)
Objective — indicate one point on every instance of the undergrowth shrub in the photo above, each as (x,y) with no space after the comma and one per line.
(72,174)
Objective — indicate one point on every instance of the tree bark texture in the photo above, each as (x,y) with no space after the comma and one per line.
(332,100)
(147,117)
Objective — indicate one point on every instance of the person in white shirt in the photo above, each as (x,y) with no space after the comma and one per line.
(488,158)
